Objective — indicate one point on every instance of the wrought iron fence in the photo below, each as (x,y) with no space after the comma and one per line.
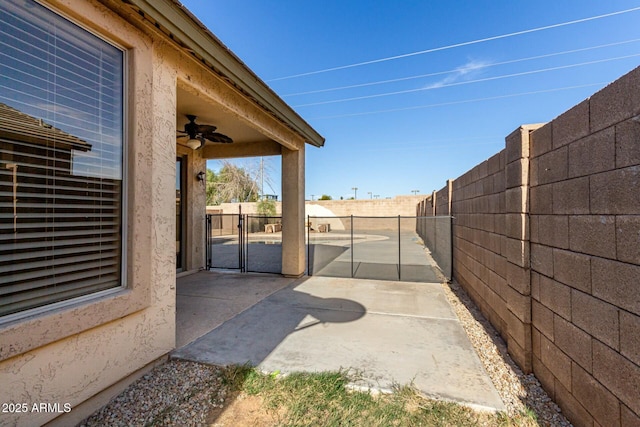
(384,248)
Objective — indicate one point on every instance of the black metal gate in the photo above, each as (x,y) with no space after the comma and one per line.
(244,242)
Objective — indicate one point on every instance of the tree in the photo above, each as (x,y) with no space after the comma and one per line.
(325,197)
(212,179)
(231,184)
(267,207)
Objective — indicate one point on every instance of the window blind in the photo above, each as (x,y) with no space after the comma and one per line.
(61,151)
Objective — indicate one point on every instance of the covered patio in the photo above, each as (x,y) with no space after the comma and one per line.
(221,92)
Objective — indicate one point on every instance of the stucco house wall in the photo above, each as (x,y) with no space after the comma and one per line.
(71,354)
(83,353)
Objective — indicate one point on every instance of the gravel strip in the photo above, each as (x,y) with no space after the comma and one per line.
(517,390)
(177,393)
(181,393)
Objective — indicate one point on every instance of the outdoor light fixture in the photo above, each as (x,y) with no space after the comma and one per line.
(193,143)
(201,175)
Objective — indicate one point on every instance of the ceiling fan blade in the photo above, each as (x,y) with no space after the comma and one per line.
(206,128)
(217,137)
(202,132)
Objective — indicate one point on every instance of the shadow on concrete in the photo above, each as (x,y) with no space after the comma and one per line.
(207,299)
(254,334)
(390,332)
(375,255)
(320,256)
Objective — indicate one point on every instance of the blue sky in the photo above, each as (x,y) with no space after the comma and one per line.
(410,123)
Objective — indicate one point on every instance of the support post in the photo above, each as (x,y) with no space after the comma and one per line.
(293,253)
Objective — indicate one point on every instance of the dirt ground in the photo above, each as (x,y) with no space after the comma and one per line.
(243,411)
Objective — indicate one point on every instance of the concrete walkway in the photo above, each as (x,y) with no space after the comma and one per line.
(389,332)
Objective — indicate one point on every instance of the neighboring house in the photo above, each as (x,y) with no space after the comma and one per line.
(100,203)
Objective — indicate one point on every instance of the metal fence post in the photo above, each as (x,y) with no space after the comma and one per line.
(399,259)
(352,246)
(308,246)
(240,238)
(207,241)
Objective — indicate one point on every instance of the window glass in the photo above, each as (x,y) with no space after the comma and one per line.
(61,159)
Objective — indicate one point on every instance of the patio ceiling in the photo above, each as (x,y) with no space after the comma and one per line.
(247,141)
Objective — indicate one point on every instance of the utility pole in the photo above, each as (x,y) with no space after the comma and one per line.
(355,193)
(261,178)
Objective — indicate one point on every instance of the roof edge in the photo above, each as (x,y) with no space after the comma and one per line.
(183,24)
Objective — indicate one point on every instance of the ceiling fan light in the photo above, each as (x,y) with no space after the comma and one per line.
(193,143)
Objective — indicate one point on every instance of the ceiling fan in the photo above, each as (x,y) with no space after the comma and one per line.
(199,134)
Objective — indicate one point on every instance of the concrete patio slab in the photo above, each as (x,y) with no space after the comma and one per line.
(389,332)
(207,299)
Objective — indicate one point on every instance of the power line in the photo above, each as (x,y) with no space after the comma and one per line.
(452,46)
(457,69)
(465,101)
(427,146)
(442,143)
(438,86)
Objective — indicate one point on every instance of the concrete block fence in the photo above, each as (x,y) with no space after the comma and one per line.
(546,240)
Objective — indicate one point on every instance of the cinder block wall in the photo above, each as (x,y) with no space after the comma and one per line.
(442,200)
(585,256)
(481,246)
(399,205)
(546,240)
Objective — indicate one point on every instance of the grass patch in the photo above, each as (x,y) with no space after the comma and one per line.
(324,399)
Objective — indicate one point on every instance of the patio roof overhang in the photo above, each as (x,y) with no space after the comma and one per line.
(178,24)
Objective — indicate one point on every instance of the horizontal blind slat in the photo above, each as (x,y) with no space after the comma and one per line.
(74,179)
(59,197)
(78,215)
(83,275)
(44,263)
(35,298)
(56,244)
(59,224)
(59,252)
(7,187)
(53,206)
(68,236)
(31,279)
